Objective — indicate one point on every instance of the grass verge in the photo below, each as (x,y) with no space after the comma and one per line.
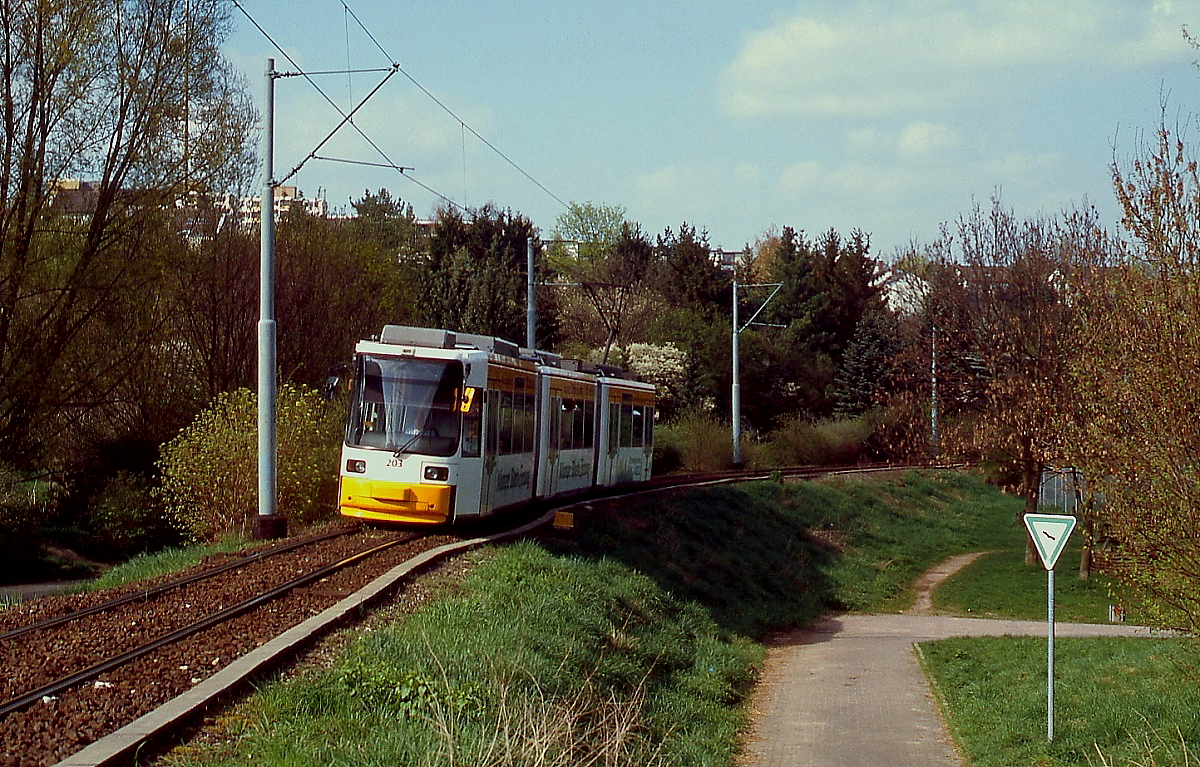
(540,660)
(1129,702)
(1001,585)
(628,644)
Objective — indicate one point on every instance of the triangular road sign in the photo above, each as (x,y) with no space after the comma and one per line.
(1050,533)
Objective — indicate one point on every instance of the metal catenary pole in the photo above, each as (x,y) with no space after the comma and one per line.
(736,392)
(268,524)
(933,398)
(530,306)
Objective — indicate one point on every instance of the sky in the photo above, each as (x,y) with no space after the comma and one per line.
(732,117)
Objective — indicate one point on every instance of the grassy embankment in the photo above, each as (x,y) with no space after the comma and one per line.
(1129,702)
(629,643)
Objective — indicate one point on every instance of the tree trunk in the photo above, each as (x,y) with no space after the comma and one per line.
(1031,551)
(1089,524)
(1031,481)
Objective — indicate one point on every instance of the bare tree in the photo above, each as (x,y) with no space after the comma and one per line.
(609,258)
(1007,312)
(134,99)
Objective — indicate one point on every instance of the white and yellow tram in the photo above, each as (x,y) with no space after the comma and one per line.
(446,427)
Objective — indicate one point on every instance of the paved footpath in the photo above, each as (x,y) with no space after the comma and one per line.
(849,692)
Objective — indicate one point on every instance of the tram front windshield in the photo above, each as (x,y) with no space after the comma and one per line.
(406,405)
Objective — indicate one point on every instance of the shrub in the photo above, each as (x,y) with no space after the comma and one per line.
(702,442)
(22,533)
(126,519)
(801,443)
(210,470)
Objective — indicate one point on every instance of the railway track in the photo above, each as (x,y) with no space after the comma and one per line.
(81,674)
(84,667)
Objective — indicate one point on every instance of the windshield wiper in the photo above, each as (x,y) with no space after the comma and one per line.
(430,431)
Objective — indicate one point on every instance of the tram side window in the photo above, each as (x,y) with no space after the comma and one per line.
(492,405)
(648,426)
(638,426)
(528,422)
(626,425)
(575,428)
(614,426)
(506,423)
(512,420)
(473,430)
(564,411)
(579,425)
(518,422)
(558,417)
(589,424)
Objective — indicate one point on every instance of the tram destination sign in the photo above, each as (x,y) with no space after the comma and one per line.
(1050,533)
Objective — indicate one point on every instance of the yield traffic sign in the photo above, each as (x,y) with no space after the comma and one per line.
(1050,533)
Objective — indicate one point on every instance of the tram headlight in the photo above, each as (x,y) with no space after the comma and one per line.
(437,473)
(354,466)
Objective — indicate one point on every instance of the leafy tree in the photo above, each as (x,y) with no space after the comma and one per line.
(1139,439)
(214,302)
(339,281)
(1014,302)
(827,287)
(137,96)
(865,364)
(686,276)
(388,223)
(583,235)
(849,278)
(609,259)
(692,297)
(616,284)
(476,272)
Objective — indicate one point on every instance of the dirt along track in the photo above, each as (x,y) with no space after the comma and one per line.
(61,724)
(850,691)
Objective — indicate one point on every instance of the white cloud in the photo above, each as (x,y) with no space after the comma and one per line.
(801,177)
(863,59)
(920,139)
(869,141)
(665,182)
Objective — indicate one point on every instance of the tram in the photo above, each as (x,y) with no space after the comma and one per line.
(444,427)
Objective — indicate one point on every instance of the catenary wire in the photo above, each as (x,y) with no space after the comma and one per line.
(338,109)
(449,111)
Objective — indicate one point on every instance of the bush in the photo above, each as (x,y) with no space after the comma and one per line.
(701,441)
(127,519)
(210,471)
(800,443)
(22,533)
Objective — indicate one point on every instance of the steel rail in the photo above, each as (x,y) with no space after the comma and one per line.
(71,680)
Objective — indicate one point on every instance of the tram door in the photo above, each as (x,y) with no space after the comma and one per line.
(469,500)
(509,436)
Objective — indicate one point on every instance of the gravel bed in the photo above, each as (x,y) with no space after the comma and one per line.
(48,732)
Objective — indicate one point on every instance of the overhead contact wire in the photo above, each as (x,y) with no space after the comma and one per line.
(449,111)
(390,164)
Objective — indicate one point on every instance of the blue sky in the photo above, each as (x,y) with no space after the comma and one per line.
(890,117)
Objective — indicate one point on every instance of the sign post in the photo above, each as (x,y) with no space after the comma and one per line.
(1049,533)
